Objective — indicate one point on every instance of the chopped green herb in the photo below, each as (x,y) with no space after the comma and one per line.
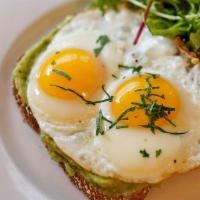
(100,130)
(121,127)
(154,128)
(109,98)
(99,124)
(102,41)
(61,73)
(144,153)
(104,5)
(158,152)
(121,117)
(107,120)
(114,76)
(133,68)
(153,110)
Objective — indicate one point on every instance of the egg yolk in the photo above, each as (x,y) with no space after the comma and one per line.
(73,69)
(130,91)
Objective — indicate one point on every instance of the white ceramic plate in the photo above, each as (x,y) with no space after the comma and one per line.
(26,171)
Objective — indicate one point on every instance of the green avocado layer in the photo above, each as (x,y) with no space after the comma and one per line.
(109,186)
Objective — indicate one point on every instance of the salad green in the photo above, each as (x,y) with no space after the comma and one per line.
(104,5)
(173,18)
(169,18)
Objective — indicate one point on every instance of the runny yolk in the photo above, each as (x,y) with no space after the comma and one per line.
(85,71)
(127,93)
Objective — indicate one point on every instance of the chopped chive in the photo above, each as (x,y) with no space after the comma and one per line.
(154,128)
(131,109)
(108,99)
(100,129)
(121,127)
(107,120)
(114,76)
(61,73)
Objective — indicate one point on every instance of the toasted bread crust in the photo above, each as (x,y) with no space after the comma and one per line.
(96,194)
(26,111)
(93,193)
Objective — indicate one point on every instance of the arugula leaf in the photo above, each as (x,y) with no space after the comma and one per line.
(159,26)
(102,40)
(195,41)
(172,18)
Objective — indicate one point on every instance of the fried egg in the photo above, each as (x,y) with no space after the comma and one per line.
(131,153)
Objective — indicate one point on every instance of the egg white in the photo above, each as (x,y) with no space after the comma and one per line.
(116,154)
(68,117)
(122,146)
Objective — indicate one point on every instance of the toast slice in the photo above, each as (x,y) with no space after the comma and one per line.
(78,176)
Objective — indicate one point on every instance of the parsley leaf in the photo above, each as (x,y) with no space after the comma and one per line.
(102,40)
(144,153)
(158,152)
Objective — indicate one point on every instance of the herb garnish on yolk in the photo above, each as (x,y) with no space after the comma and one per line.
(150,108)
(62,73)
(109,98)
